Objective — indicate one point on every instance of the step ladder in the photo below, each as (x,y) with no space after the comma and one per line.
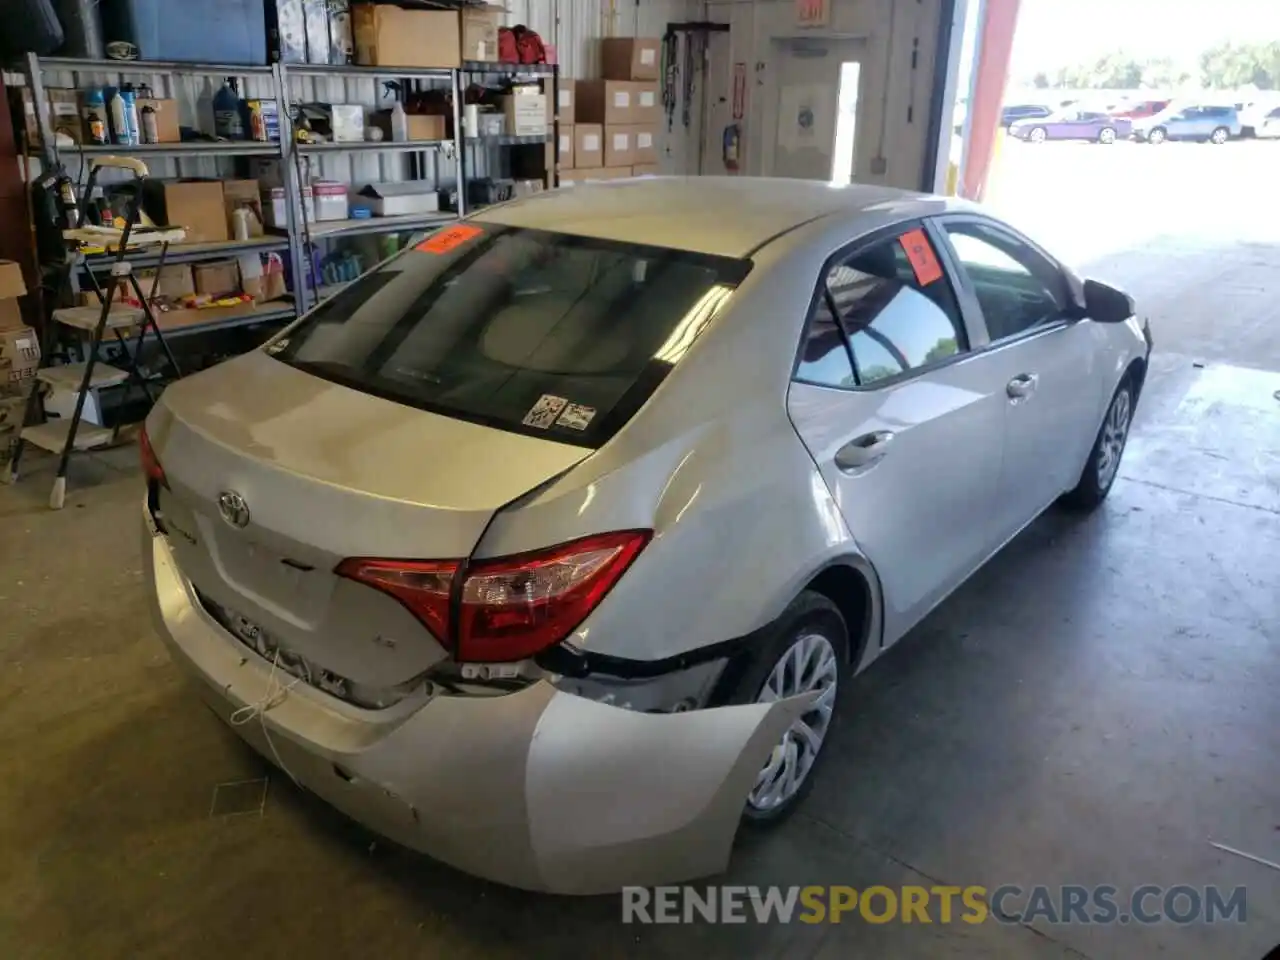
(63,436)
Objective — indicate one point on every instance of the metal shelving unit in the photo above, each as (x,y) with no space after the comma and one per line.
(295,238)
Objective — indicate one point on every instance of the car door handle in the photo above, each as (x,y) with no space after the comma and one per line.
(864,451)
(1021,386)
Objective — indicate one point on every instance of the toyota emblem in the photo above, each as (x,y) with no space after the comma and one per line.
(233,508)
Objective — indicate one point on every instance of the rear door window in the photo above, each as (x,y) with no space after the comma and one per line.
(525,330)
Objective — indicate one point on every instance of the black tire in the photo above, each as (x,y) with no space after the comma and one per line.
(1091,490)
(809,613)
(1220,135)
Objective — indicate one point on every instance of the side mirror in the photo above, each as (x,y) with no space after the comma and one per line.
(1106,304)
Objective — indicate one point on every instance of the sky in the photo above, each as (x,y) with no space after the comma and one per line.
(1054,33)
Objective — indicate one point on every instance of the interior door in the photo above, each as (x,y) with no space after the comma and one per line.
(809,106)
(904,423)
(1046,364)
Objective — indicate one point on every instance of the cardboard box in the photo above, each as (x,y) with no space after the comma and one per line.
(588,145)
(243,193)
(619,145)
(630,58)
(12,286)
(19,359)
(166,111)
(571,177)
(565,101)
(391,37)
(275,208)
(645,170)
(564,144)
(603,101)
(526,114)
(646,103)
(331,200)
(421,126)
(346,123)
(393,199)
(315,15)
(64,112)
(218,278)
(177,280)
(644,144)
(480,32)
(196,205)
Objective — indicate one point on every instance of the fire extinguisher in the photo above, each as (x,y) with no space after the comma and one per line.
(732,136)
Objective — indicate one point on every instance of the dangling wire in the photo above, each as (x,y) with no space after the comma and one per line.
(670,75)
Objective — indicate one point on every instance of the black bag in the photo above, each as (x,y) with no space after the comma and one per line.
(30,26)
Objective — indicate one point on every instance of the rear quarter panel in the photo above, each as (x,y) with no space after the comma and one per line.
(713,465)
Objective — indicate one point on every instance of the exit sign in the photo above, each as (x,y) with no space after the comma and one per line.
(812,13)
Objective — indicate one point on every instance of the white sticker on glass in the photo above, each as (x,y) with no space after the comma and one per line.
(543,413)
(576,416)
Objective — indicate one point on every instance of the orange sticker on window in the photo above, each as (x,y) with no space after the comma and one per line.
(919,251)
(446,240)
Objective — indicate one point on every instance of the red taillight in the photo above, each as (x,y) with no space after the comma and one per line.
(422,586)
(512,607)
(150,463)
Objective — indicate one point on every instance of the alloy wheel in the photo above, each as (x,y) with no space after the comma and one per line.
(1156,136)
(1107,136)
(1115,432)
(1038,135)
(809,665)
(1219,136)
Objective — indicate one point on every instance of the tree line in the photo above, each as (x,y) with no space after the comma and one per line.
(1223,67)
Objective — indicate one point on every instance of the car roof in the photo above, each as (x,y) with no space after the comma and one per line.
(726,216)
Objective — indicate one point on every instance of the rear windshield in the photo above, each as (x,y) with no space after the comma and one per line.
(526,330)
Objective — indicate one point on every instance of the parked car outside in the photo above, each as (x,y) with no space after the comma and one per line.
(1268,125)
(1144,108)
(1211,123)
(1073,125)
(1022,111)
(549,546)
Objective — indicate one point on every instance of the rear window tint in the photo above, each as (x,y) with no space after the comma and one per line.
(532,331)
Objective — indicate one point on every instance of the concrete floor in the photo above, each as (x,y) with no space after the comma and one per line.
(1094,707)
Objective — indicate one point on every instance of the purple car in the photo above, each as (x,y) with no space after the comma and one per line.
(1073,125)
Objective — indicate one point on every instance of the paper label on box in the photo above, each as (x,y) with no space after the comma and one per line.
(566,143)
(590,143)
(622,99)
(566,98)
(644,140)
(480,50)
(648,57)
(646,98)
(620,141)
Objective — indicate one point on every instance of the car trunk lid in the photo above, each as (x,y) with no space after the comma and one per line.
(275,476)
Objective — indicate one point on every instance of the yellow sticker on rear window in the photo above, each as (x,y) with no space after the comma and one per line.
(446,240)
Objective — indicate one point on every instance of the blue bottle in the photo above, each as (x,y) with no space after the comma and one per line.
(228,117)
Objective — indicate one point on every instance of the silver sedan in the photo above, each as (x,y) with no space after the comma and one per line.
(548,547)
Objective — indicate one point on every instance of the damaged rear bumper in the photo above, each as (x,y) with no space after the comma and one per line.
(539,789)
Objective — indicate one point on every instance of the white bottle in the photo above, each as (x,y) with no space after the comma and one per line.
(399,123)
(240,221)
(119,119)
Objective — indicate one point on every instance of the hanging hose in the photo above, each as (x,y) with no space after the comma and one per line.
(670,75)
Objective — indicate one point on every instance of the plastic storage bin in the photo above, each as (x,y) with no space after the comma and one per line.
(204,31)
